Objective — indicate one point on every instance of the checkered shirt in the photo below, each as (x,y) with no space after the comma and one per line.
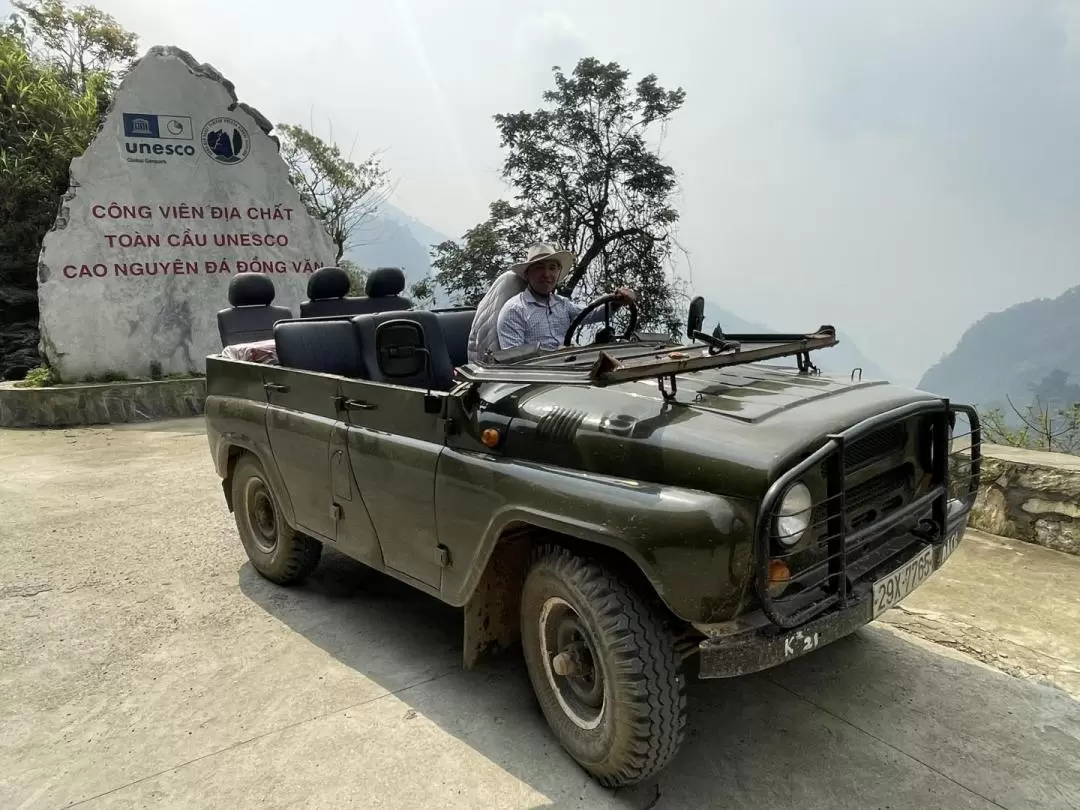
(527,321)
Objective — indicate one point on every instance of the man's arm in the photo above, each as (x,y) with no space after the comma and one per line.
(597,315)
(511,325)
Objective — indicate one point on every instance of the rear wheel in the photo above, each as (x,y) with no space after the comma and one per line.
(603,667)
(276,550)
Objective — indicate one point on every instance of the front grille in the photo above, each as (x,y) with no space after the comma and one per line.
(871,485)
(877,445)
(882,494)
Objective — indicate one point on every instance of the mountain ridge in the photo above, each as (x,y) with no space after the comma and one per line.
(1011,353)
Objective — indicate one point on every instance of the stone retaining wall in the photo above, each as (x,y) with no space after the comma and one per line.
(1029,495)
(100,403)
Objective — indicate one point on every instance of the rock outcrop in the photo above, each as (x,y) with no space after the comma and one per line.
(182,189)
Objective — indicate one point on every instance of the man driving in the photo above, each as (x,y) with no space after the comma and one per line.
(539,316)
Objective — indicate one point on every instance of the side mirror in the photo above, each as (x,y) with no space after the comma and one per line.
(401,352)
(695,319)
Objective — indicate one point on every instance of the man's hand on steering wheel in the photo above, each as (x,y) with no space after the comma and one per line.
(621,297)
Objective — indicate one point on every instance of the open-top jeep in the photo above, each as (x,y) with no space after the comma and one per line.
(615,507)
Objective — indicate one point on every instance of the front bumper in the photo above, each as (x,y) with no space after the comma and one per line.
(754,643)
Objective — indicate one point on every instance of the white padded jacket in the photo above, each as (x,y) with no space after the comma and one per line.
(484,334)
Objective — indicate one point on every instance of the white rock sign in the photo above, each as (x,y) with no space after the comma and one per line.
(181,190)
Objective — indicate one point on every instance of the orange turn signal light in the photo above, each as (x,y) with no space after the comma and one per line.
(778,571)
(490,437)
(779,577)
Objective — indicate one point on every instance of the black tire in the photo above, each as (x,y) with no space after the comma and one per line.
(586,611)
(276,550)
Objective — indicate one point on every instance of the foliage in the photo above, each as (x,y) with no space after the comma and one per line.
(58,68)
(357,277)
(584,176)
(86,45)
(1041,427)
(44,123)
(40,377)
(1050,422)
(341,194)
(422,293)
(468,270)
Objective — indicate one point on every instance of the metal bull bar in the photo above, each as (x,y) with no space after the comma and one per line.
(826,582)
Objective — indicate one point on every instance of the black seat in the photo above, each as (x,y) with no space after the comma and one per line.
(327,346)
(251,316)
(456,324)
(326,291)
(328,287)
(384,287)
(377,334)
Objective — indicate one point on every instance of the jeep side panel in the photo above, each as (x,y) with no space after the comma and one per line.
(695,547)
(235,411)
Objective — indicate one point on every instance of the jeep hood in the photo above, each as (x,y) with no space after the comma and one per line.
(729,432)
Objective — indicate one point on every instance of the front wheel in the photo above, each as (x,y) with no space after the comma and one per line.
(276,550)
(603,667)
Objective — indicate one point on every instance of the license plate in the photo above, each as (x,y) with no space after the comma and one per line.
(946,549)
(891,589)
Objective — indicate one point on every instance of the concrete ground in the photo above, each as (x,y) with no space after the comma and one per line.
(144,664)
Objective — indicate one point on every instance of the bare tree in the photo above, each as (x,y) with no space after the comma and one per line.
(339,193)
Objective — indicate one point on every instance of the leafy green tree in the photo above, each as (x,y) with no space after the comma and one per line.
(44,124)
(341,194)
(467,270)
(83,43)
(586,176)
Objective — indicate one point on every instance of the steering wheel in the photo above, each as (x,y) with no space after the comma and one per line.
(603,300)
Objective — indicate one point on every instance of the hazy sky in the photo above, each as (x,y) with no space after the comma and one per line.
(896,168)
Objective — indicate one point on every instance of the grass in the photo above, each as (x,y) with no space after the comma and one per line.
(43,377)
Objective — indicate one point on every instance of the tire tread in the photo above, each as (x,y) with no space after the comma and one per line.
(650,685)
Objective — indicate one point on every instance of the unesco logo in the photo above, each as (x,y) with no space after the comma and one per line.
(226,140)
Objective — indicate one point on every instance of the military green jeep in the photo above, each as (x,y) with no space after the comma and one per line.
(622,510)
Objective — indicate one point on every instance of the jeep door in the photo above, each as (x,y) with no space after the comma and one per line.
(300,420)
(308,436)
(394,445)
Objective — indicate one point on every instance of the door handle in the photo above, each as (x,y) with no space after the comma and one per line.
(346,404)
(284,389)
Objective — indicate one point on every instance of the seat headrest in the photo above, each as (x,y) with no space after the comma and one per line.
(328,282)
(251,290)
(384,281)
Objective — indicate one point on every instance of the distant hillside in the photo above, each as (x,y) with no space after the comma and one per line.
(1010,353)
(395,239)
(840,359)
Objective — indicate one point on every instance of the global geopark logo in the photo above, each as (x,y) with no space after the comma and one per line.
(226,140)
(155,138)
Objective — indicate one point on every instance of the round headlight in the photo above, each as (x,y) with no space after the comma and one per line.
(793,515)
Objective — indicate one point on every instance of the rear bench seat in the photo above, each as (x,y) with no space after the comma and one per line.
(326,346)
(456,324)
(348,347)
(442,370)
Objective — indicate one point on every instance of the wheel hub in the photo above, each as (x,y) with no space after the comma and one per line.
(571,663)
(262,516)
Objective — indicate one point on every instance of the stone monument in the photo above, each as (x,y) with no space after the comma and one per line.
(182,189)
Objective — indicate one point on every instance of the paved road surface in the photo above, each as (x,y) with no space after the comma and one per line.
(144,664)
